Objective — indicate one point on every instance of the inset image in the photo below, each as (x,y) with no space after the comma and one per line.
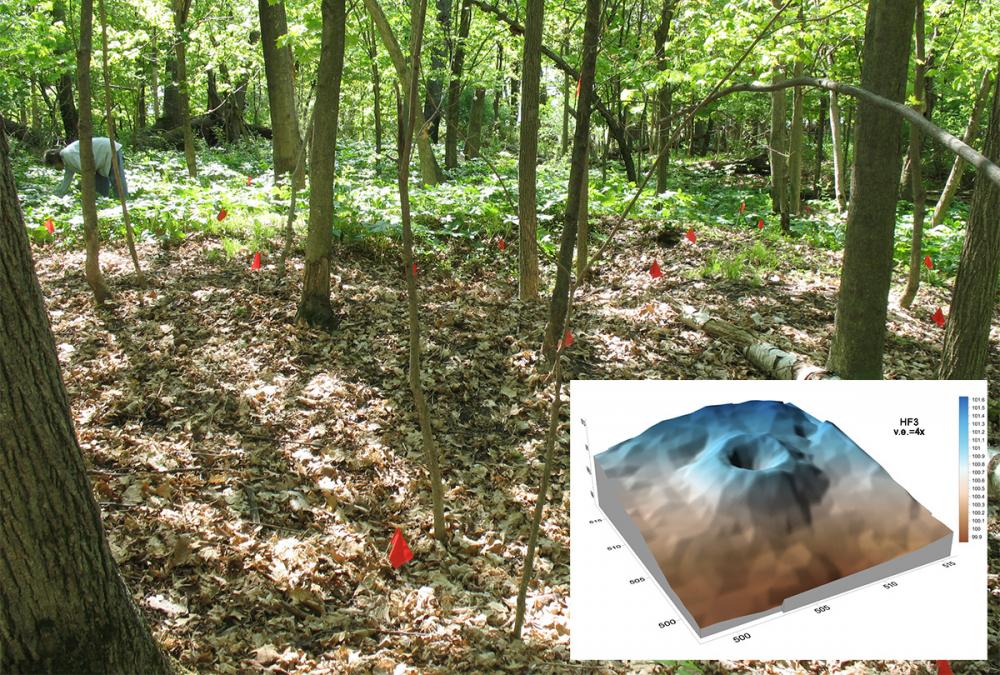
(734,515)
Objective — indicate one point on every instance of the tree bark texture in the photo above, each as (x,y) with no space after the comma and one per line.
(455,88)
(966,338)
(837,152)
(314,307)
(434,102)
(64,85)
(660,36)
(778,151)
(88,170)
(560,293)
(63,604)
(916,168)
(859,333)
(527,161)
(181,9)
(280,87)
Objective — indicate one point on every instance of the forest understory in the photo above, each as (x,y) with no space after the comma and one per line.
(250,473)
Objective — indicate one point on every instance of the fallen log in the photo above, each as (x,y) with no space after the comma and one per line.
(765,357)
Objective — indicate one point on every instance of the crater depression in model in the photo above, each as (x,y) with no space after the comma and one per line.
(746,509)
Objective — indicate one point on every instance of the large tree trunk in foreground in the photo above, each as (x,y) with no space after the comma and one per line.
(181,8)
(280,87)
(88,170)
(64,605)
(455,88)
(966,339)
(859,334)
(578,164)
(971,129)
(314,307)
(916,169)
(527,161)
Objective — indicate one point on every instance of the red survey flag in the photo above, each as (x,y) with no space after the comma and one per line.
(414,268)
(399,552)
(760,224)
(255,265)
(501,244)
(249,180)
(928,263)
(578,83)
(655,271)
(567,340)
(743,207)
(690,235)
(50,226)
(222,214)
(938,317)
(943,667)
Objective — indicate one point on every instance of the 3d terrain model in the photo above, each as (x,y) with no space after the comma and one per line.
(743,510)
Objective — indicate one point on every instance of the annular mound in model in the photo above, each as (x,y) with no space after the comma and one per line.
(742,510)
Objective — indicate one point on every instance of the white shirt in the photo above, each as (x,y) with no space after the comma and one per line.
(71,160)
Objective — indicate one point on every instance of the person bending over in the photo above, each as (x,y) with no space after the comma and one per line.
(68,159)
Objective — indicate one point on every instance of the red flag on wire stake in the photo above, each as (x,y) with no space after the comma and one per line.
(567,340)
(928,263)
(578,83)
(944,667)
(414,270)
(50,226)
(760,224)
(501,244)
(255,265)
(249,180)
(938,317)
(399,552)
(690,235)
(222,215)
(655,271)
(743,207)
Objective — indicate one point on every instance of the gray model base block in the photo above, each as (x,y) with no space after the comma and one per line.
(744,510)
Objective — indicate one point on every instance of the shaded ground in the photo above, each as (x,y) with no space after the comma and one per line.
(251,473)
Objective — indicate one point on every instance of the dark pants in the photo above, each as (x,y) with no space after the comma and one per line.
(106,184)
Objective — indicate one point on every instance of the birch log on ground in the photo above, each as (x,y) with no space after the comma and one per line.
(765,357)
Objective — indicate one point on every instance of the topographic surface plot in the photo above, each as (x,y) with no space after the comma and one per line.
(743,510)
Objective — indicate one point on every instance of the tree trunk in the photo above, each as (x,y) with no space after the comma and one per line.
(430,173)
(172,118)
(837,151)
(280,87)
(64,85)
(154,81)
(434,102)
(88,171)
(795,138)
(971,129)
(314,307)
(820,132)
(140,107)
(115,167)
(778,152)
(966,338)
(407,121)
(564,132)
(455,88)
(560,294)
(527,162)
(181,8)
(474,139)
(65,606)
(583,222)
(859,334)
(916,170)
(662,107)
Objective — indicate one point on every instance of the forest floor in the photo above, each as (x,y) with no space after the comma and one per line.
(251,473)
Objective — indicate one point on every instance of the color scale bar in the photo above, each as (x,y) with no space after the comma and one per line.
(963,468)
